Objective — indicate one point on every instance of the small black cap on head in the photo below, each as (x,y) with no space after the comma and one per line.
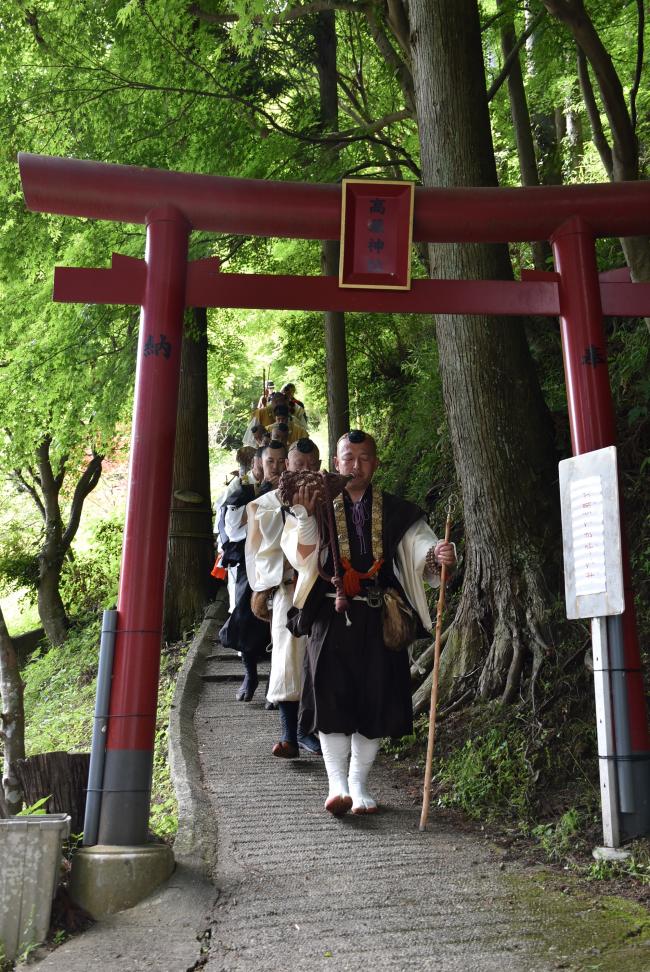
(281,409)
(275,446)
(305,445)
(356,435)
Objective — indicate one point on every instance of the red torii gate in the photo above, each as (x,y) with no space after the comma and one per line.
(171,205)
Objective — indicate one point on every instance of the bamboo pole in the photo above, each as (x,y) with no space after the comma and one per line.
(426,796)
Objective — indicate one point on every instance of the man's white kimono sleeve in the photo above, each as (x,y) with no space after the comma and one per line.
(410,567)
(307,567)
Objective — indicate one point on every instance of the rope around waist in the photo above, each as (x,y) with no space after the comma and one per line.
(375,601)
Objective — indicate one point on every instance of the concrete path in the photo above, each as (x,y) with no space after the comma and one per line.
(300,889)
(167,932)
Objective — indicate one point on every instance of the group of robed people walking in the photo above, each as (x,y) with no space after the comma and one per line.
(338,593)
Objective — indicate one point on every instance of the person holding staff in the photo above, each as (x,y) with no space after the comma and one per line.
(357,689)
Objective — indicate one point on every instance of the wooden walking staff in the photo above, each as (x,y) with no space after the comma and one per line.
(424,816)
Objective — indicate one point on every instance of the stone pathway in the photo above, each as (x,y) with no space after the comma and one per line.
(299,889)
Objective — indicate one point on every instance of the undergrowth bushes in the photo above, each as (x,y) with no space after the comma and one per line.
(534,773)
(60,702)
(89,582)
(60,683)
(490,776)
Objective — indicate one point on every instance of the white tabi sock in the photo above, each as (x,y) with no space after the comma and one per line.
(364,751)
(336,752)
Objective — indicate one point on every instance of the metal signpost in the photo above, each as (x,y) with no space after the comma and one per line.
(593,579)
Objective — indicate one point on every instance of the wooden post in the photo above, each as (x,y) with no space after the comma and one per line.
(434,687)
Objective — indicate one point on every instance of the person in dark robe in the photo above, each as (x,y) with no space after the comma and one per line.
(243,632)
(355,689)
(229,551)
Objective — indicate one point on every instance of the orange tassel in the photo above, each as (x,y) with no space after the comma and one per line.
(352,578)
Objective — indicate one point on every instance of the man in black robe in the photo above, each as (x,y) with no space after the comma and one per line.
(355,689)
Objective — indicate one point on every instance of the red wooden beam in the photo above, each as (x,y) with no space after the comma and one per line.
(98,190)
(207,287)
(123,283)
(425,296)
(625,299)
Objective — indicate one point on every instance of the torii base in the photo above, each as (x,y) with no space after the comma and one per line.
(106,879)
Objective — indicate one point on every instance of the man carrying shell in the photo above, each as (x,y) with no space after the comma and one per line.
(356,689)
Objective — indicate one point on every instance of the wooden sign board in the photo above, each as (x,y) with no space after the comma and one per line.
(376,234)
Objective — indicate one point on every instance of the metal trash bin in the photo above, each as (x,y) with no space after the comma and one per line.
(30,861)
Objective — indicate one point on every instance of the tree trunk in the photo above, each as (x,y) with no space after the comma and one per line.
(12,720)
(191,542)
(542,256)
(45,489)
(575,141)
(504,463)
(549,163)
(63,777)
(51,609)
(623,155)
(598,136)
(338,403)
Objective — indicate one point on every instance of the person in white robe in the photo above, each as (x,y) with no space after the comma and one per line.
(268,570)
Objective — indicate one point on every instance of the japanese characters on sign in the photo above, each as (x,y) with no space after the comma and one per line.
(376,234)
(588,528)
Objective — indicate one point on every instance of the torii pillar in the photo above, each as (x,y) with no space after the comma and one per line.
(124,811)
(121,868)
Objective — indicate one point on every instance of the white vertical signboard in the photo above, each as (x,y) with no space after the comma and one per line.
(593,572)
(593,581)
